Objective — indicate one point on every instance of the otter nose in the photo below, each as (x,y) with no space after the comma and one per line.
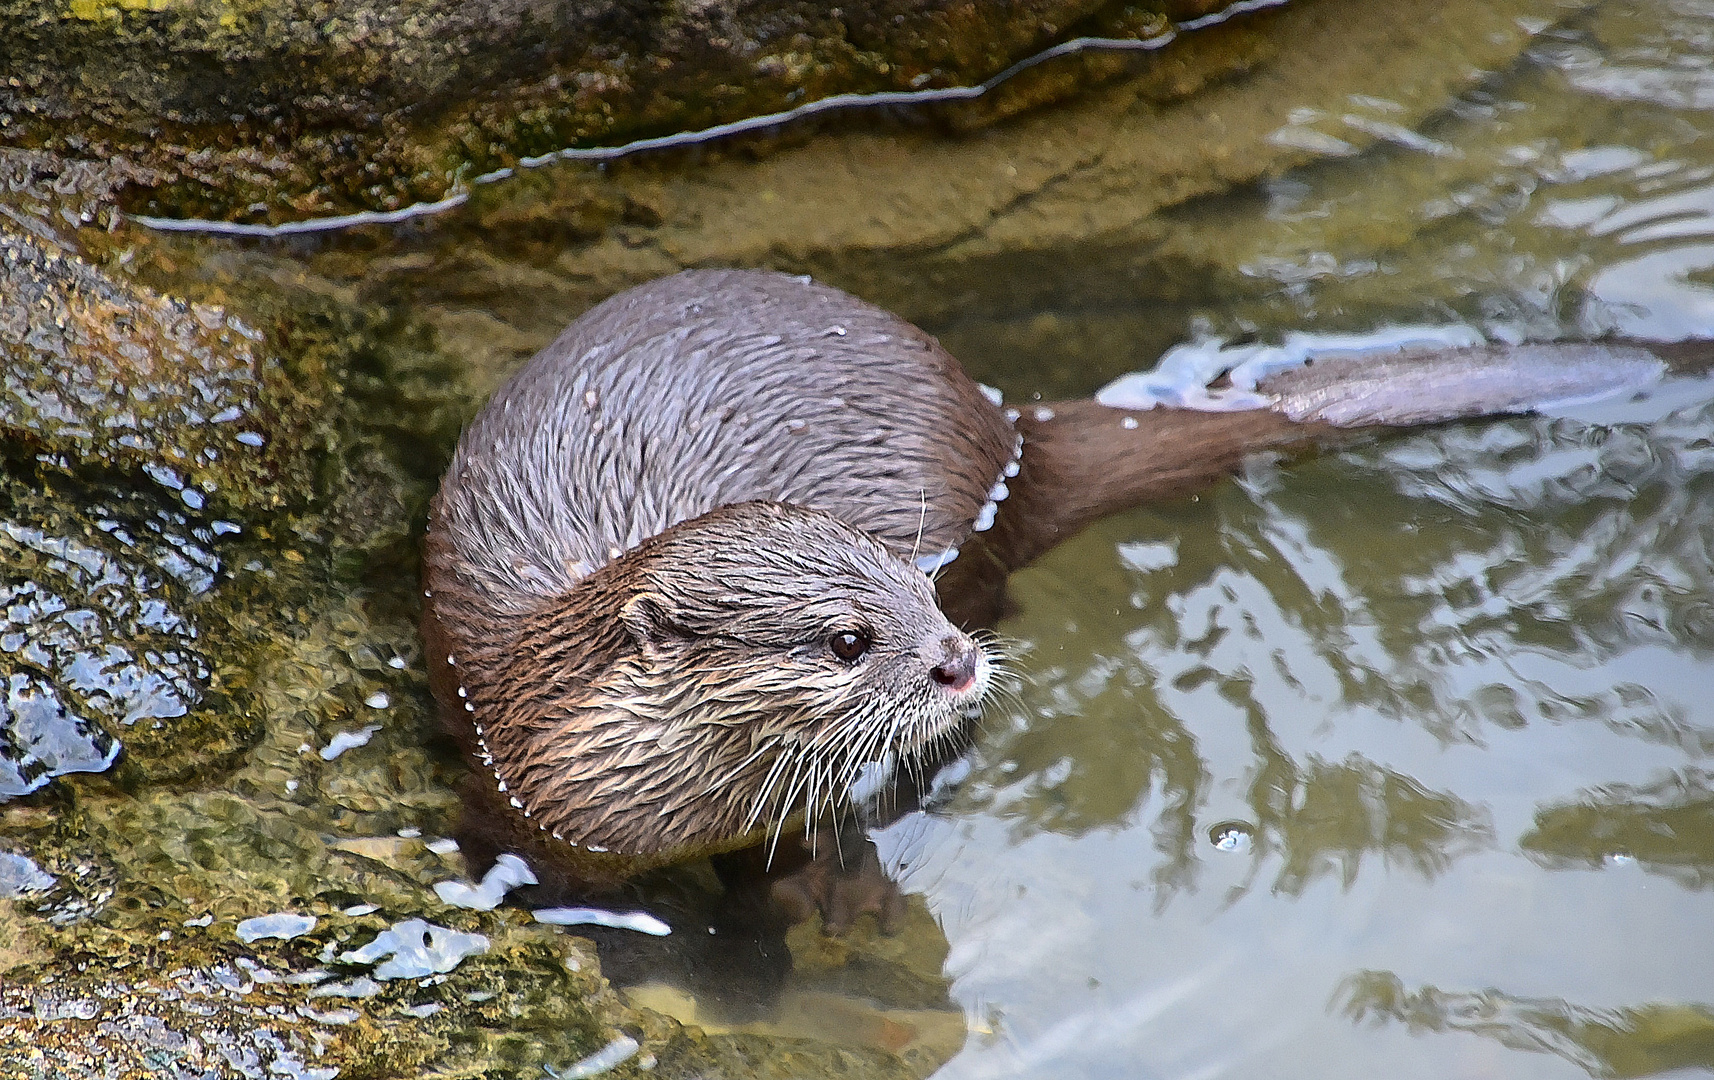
(957,671)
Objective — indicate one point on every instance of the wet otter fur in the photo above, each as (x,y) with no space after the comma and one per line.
(673,579)
(652,545)
(732,672)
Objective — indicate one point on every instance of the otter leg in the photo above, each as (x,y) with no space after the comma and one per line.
(840,881)
(842,887)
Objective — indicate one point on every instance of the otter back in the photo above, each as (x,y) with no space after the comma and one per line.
(705,389)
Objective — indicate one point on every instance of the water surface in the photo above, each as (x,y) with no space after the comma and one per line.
(1392,763)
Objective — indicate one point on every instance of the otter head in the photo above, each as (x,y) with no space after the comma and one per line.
(734,671)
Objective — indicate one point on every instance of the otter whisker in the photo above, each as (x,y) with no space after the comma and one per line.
(763,806)
(1003,647)
(885,795)
(1002,693)
(922,519)
(849,745)
(821,799)
(769,782)
(862,749)
(787,800)
(877,746)
(812,801)
(725,779)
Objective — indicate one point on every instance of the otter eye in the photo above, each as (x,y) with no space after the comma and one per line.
(848,645)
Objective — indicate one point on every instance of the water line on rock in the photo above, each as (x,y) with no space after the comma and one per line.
(600,154)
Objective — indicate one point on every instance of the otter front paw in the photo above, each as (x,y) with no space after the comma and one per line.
(841,891)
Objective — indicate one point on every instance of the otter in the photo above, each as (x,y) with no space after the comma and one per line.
(673,576)
(676,579)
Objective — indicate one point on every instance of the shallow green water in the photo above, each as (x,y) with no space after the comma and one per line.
(1394,763)
(1391,763)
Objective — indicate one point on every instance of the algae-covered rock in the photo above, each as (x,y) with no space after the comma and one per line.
(178,481)
(1119,194)
(267,109)
(190,1000)
(110,374)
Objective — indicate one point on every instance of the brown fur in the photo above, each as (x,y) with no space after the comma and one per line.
(645,540)
(683,699)
(1082,463)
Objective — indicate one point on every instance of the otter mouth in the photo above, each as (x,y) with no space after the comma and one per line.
(967,702)
(965,698)
(814,778)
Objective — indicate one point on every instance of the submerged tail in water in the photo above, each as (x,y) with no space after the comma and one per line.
(1083,460)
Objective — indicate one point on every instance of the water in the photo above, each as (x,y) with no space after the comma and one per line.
(1388,763)
(1452,688)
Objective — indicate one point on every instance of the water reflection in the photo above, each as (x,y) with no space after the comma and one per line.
(1333,814)
(95,627)
(1646,211)
(1644,1040)
(1666,827)
(1105,758)
(1392,668)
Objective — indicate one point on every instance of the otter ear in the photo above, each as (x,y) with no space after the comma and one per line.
(646,620)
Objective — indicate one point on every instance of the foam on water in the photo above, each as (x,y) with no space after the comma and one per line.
(507,873)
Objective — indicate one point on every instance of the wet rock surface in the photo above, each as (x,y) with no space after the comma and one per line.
(111,375)
(134,434)
(268,110)
(276,1010)
(960,235)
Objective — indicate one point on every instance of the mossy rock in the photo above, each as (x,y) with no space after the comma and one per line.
(266,110)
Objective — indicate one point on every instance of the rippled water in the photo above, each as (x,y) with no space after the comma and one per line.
(1388,763)
(1393,763)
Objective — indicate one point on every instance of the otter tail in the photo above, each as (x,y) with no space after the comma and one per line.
(1083,460)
